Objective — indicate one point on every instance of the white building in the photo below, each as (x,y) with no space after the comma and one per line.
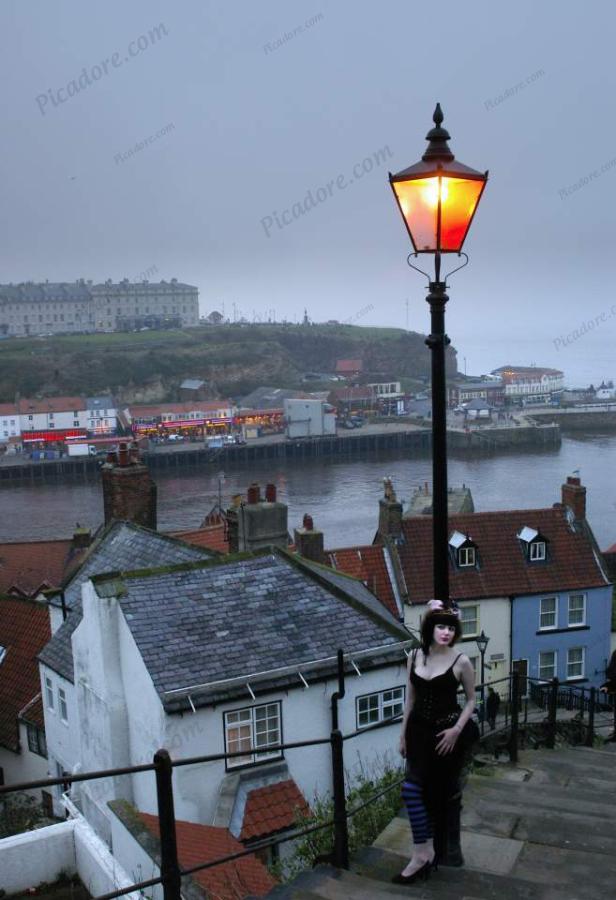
(52,416)
(309,418)
(60,308)
(9,422)
(530,384)
(102,415)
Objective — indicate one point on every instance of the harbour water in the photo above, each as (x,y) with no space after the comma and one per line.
(342,496)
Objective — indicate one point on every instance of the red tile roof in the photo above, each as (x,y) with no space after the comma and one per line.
(368,564)
(50,404)
(33,711)
(349,365)
(244,877)
(212,537)
(24,631)
(272,808)
(503,569)
(611,549)
(30,566)
(8,409)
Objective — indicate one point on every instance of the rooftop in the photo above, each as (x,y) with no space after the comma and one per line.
(29,567)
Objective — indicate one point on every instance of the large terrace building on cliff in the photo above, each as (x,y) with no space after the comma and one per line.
(81,306)
(530,384)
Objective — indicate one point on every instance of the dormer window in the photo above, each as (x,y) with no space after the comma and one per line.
(464,549)
(533,544)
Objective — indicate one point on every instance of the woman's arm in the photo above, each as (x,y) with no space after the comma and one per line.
(408,704)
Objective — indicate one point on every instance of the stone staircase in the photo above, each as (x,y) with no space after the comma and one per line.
(543,830)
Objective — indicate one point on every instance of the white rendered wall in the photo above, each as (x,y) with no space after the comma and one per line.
(23,766)
(63,739)
(29,859)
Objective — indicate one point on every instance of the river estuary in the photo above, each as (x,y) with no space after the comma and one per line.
(342,496)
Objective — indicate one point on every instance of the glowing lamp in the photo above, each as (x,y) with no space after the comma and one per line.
(438,195)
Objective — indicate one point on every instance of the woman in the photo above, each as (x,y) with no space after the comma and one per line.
(435,733)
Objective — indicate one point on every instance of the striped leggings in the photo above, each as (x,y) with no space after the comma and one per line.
(421,826)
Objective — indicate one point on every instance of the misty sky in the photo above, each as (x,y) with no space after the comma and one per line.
(252,122)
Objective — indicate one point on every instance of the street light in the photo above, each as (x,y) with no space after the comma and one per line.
(482,645)
(437,198)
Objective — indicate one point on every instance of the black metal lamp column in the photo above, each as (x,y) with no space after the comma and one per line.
(437,198)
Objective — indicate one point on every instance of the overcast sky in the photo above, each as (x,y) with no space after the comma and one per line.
(261,103)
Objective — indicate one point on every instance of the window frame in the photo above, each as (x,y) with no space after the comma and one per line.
(381,706)
(37,743)
(581,662)
(49,694)
(554,667)
(257,757)
(533,551)
(469,551)
(469,634)
(62,705)
(571,624)
(541,613)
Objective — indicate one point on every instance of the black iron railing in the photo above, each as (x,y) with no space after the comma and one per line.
(545,697)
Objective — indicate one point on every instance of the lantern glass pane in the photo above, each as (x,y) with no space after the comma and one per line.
(418,201)
(459,200)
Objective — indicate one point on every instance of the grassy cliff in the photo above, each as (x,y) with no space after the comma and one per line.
(235,359)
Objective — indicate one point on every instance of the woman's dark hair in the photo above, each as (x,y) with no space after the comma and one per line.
(438,618)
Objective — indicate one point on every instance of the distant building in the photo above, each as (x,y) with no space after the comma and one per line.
(349,368)
(492,391)
(63,307)
(9,422)
(349,400)
(530,384)
(102,416)
(309,418)
(189,417)
(459,500)
(193,389)
(52,419)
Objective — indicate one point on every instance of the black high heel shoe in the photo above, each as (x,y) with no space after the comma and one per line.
(423,873)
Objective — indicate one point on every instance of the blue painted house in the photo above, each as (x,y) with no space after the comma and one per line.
(532,579)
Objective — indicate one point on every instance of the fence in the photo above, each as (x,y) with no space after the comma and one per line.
(546,699)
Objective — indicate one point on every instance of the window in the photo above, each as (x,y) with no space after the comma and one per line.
(49,693)
(577,609)
(51,415)
(466,556)
(379,707)
(547,613)
(547,664)
(75,423)
(575,662)
(250,730)
(469,619)
(536,551)
(36,740)
(62,704)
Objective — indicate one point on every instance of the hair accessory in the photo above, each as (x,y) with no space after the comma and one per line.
(437,606)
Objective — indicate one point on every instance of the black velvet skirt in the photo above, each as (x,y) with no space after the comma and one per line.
(428,768)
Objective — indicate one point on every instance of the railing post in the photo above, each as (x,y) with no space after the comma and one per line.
(169,866)
(515,716)
(341,832)
(590,731)
(582,704)
(552,704)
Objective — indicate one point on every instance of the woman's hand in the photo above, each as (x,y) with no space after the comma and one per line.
(402,745)
(447,740)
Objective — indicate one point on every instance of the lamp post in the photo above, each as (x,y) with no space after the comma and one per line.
(482,645)
(437,198)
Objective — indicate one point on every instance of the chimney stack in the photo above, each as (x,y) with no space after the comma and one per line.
(129,493)
(308,541)
(390,512)
(574,496)
(82,537)
(257,522)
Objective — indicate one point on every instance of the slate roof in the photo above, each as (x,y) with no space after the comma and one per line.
(572,563)
(174,615)
(272,808)
(24,630)
(244,877)
(369,565)
(121,546)
(28,567)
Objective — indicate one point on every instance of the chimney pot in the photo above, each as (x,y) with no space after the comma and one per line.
(270,493)
(254,493)
(307,522)
(123,455)
(574,496)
